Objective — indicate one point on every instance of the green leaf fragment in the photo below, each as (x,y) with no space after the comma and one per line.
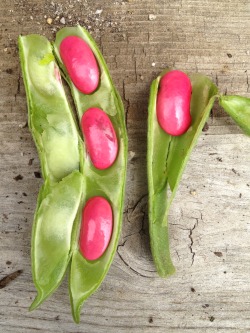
(52,230)
(238,108)
(167,158)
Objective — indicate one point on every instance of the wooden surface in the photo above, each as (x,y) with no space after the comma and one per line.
(210,217)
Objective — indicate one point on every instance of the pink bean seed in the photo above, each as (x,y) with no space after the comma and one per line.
(81,63)
(96,228)
(173,103)
(100,138)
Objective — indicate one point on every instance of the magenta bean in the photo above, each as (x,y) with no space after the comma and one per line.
(173,103)
(81,63)
(96,229)
(100,138)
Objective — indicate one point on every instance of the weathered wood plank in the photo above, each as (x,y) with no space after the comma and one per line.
(209,220)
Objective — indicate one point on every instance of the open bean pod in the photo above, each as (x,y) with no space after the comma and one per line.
(78,173)
(238,108)
(50,119)
(60,148)
(166,158)
(107,182)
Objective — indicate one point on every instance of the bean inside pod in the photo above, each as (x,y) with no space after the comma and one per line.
(81,63)
(173,103)
(109,146)
(96,229)
(100,138)
(168,153)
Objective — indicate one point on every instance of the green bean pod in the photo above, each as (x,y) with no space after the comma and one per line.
(60,148)
(238,108)
(86,276)
(52,232)
(167,157)
(50,119)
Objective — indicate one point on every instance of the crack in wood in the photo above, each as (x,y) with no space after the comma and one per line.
(177,255)
(18,85)
(132,269)
(138,201)
(127,103)
(247,81)
(192,241)
(129,211)
(135,65)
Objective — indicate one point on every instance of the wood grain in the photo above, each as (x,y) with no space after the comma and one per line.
(209,219)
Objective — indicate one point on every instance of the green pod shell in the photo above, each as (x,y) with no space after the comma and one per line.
(238,108)
(59,146)
(167,157)
(49,116)
(86,276)
(52,231)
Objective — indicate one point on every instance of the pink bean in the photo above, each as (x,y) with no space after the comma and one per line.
(173,103)
(96,229)
(100,138)
(81,63)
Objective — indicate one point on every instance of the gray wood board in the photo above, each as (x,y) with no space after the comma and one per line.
(209,219)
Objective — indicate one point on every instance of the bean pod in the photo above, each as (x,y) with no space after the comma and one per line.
(80,206)
(167,155)
(101,118)
(59,146)
(238,108)
(50,118)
